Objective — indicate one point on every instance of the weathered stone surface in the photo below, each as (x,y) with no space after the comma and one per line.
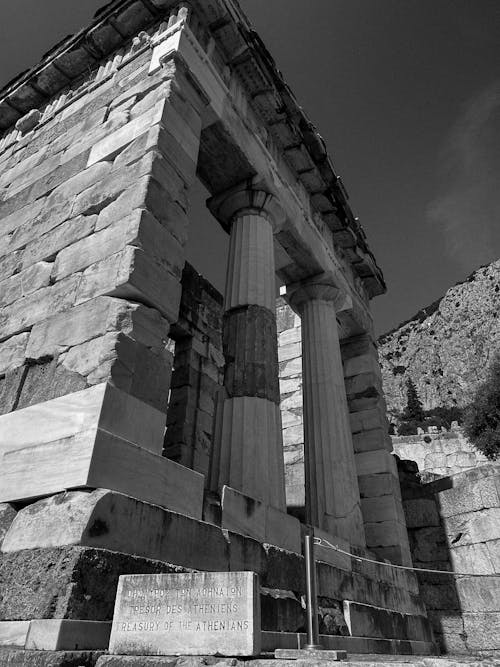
(7,516)
(250,351)
(46,381)
(483,630)
(109,520)
(22,658)
(38,306)
(132,274)
(129,365)
(421,513)
(95,318)
(68,582)
(140,229)
(11,385)
(368,621)
(24,283)
(202,613)
(48,245)
(101,406)
(12,352)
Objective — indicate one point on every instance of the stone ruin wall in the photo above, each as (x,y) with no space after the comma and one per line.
(454,525)
(92,232)
(439,452)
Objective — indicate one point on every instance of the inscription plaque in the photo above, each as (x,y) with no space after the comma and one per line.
(202,613)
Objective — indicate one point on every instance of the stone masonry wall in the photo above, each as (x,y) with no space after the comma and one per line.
(198,373)
(454,525)
(439,452)
(93,222)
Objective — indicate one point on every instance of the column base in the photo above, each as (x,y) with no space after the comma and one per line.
(249,516)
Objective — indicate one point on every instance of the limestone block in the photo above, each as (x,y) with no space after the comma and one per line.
(7,516)
(39,583)
(477,558)
(10,387)
(132,274)
(379,461)
(140,229)
(38,306)
(61,236)
(24,283)
(98,196)
(129,365)
(99,459)
(107,520)
(293,435)
(290,351)
(473,527)
(482,630)
(22,166)
(291,418)
(290,336)
(13,633)
(42,223)
(384,533)
(101,406)
(19,217)
(421,512)
(11,263)
(242,514)
(108,147)
(12,352)
(430,545)
(369,621)
(469,496)
(290,385)
(283,530)
(366,420)
(365,363)
(67,635)
(291,367)
(93,319)
(45,381)
(327,555)
(373,439)
(379,484)
(250,517)
(478,594)
(383,508)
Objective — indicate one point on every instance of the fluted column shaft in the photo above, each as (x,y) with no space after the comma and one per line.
(250,455)
(332,494)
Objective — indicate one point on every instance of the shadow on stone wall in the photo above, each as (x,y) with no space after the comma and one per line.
(454,525)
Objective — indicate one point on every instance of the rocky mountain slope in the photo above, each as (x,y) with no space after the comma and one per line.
(447,347)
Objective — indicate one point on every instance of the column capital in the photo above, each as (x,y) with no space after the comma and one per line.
(244,199)
(316,289)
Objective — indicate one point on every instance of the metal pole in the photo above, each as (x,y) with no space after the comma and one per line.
(311,596)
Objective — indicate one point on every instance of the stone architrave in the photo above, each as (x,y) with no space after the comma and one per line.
(332,493)
(250,452)
(199,613)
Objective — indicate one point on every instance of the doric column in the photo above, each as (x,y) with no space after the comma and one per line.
(250,454)
(331,479)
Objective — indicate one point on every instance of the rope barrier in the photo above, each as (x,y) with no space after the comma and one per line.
(321,542)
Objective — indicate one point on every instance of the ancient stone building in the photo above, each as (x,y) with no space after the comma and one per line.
(102,143)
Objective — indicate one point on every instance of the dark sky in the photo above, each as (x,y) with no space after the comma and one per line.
(406,94)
